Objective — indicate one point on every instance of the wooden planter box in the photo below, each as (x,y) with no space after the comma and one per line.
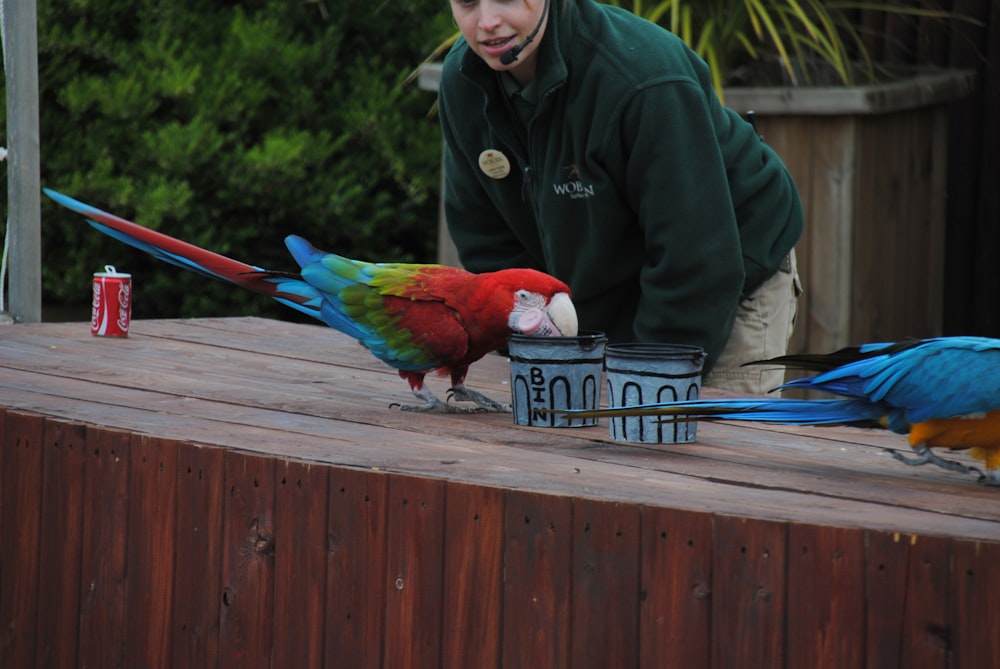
(870,163)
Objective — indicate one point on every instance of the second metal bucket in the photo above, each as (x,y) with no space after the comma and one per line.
(647,374)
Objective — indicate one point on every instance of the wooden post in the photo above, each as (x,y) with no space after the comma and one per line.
(24,181)
(430,80)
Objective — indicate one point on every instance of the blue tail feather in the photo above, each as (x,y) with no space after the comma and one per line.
(782,410)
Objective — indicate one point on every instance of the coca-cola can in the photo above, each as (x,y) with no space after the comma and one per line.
(111,308)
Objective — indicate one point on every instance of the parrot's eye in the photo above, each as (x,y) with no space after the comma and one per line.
(527,298)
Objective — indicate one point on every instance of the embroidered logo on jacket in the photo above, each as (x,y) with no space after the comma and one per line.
(573,187)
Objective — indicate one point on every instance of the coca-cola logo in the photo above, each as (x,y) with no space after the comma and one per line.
(95,308)
(124,303)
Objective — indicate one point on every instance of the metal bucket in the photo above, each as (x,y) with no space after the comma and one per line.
(648,374)
(555,373)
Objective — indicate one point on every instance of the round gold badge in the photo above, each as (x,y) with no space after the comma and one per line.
(494,164)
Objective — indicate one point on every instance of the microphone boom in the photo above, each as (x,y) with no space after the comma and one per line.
(511,54)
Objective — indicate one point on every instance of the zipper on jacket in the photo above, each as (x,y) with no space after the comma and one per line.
(527,173)
(528,180)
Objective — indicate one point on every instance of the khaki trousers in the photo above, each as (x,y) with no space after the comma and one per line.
(764,324)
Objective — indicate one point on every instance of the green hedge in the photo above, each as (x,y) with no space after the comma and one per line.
(230,125)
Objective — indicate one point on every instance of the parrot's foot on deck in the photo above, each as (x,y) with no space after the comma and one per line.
(990,479)
(926,456)
(433,404)
(463,393)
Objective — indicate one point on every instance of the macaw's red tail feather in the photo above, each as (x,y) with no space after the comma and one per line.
(172,250)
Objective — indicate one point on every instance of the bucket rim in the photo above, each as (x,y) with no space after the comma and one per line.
(584,336)
(654,351)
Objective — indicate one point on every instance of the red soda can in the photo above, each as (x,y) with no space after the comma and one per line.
(111,308)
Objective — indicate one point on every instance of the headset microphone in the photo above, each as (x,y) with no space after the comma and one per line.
(511,54)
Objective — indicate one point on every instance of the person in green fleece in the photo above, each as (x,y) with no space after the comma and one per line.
(586,142)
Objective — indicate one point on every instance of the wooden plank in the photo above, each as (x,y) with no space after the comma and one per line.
(300,556)
(886,568)
(537,580)
(826,603)
(926,633)
(246,626)
(983,165)
(937,165)
(21,526)
(152,518)
(874,230)
(791,138)
(414,571)
(473,576)
(749,593)
(102,567)
(61,540)
(826,184)
(675,612)
(201,499)
(970,186)
(975,614)
(604,612)
(899,243)
(356,573)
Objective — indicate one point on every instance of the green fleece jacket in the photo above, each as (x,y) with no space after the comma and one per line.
(659,207)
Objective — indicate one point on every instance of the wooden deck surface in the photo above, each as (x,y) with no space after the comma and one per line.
(309,393)
(316,406)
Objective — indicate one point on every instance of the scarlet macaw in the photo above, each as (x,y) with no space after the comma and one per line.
(943,392)
(416,318)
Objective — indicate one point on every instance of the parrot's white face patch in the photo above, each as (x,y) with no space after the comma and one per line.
(534,314)
(494,164)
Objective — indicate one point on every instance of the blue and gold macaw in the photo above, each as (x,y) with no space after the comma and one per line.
(942,392)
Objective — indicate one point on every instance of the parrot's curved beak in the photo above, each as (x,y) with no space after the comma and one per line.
(562,315)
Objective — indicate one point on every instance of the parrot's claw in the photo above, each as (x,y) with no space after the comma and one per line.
(926,456)
(462,393)
(991,477)
(433,404)
(434,407)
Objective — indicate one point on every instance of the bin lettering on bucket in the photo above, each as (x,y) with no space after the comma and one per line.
(648,374)
(555,373)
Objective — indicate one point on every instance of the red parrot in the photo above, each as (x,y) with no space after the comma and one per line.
(416,318)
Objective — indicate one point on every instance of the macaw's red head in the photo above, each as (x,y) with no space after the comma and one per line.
(534,303)
(455,317)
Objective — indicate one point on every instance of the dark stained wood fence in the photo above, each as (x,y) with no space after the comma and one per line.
(873,184)
(125,550)
(972,282)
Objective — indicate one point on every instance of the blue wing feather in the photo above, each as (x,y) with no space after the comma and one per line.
(895,384)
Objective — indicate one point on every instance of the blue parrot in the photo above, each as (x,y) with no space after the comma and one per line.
(942,392)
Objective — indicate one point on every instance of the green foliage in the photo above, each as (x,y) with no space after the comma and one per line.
(798,33)
(231,125)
